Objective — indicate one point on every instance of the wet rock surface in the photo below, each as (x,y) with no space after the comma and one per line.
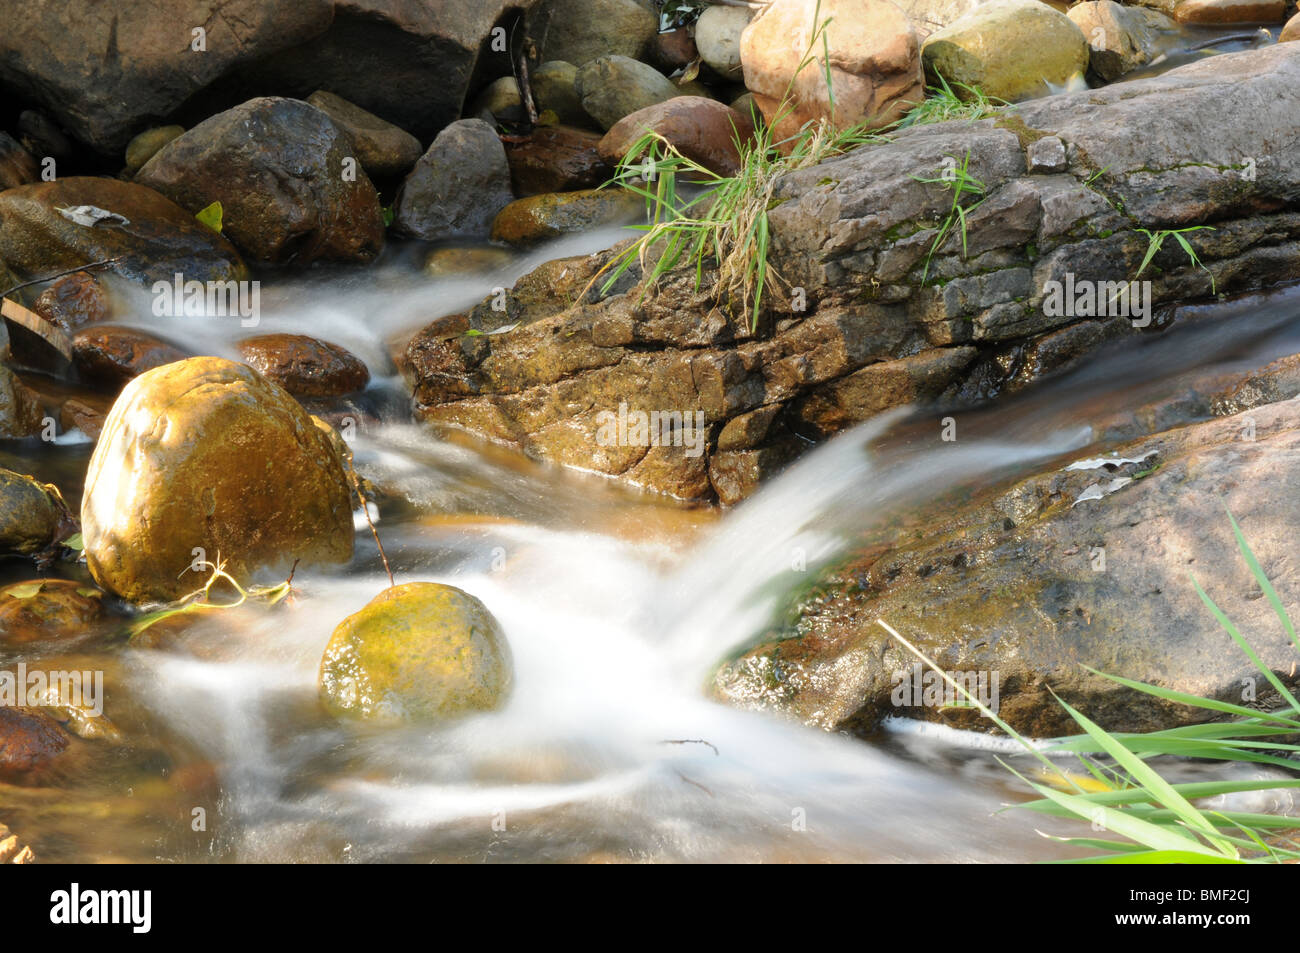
(457,187)
(304,366)
(278,168)
(855,234)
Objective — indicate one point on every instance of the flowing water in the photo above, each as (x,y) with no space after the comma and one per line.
(616,608)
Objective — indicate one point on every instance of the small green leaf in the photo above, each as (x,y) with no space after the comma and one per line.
(25,591)
(387,213)
(211,217)
(75,542)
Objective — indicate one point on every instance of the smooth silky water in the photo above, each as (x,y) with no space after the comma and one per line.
(617,607)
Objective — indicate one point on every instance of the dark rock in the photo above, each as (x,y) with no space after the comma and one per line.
(284,173)
(304,366)
(17,167)
(20,411)
(32,515)
(457,187)
(583,30)
(557,159)
(29,741)
(73,301)
(158,240)
(110,356)
(673,50)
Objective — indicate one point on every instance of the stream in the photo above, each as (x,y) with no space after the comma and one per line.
(617,606)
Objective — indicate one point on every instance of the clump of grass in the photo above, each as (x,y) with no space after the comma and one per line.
(944,103)
(724,222)
(1153,819)
(1156,241)
(964,186)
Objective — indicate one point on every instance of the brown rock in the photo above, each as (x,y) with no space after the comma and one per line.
(875,63)
(84,414)
(41,609)
(73,302)
(536,219)
(20,411)
(33,517)
(703,130)
(1291,31)
(557,159)
(278,168)
(17,166)
(109,356)
(384,150)
(673,50)
(29,740)
(305,366)
(1229,12)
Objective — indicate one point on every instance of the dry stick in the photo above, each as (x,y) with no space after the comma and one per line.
(365,508)
(693,741)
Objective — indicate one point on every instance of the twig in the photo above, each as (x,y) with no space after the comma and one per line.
(62,274)
(365,508)
(693,741)
(695,783)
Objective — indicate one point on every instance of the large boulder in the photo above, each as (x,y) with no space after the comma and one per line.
(108,70)
(457,187)
(1113,543)
(152,237)
(208,454)
(290,187)
(1010,49)
(874,63)
(584,30)
(417,652)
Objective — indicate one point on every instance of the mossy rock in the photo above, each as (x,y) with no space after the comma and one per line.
(418,652)
(32,515)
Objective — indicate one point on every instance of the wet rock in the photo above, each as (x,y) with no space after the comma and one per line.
(673,50)
(1228,12)
(557,159)
(17,166)
(1109,589)
(85,414)
(383,149)
(157,240)
(20,411)
(457,187)
(29,740)
(42,609)
(1120,38)
(849,400)
(152,498)
(146,145)
(717,35)
(854,234)
(455,262)
(109,356)
(875,65)
(417,652)
(1291,31)
(33,517)
(584,30)
(538,218)
(285,176)
(43,137)
(703,130)
(1011,49)
(615,86)
(305,366)
(73,302)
